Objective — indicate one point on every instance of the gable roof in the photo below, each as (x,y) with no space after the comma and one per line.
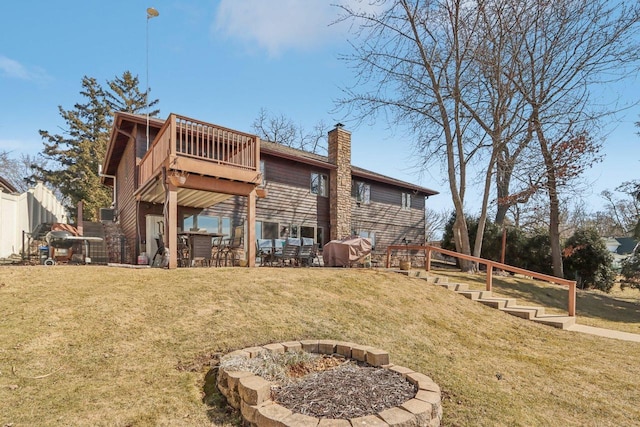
(627,245)
(119,137)
(318,160)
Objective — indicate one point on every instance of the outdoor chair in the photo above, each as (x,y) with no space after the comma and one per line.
(265,251)
(278,244)
(236,244)
(220,251)
(184,252)
(289,253)
(307,254)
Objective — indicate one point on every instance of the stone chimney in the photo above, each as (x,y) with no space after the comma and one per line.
(340,182)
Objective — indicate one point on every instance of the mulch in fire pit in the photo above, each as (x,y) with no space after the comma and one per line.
(346,391)
(326,386)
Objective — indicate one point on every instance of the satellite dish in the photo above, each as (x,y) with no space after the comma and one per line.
(152,12)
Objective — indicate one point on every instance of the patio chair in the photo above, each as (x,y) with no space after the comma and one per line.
(307,253)
(278,244)
(264,251)
(184,252)
(236,244)
(289,253)
(220,252)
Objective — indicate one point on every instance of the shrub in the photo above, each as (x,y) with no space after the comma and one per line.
(631,270)
(532,252)
(587,259)
(535,253)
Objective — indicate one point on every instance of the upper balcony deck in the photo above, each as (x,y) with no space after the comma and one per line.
(191,146)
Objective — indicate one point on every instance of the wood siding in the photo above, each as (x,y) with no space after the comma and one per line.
(126,203)
(289,199)
(385,217)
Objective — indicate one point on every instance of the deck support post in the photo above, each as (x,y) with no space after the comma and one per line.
(173,227)
(251,229)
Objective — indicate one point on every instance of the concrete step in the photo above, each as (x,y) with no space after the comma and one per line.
(508,305)
(434,280)
(454,286)
(495,302)
(475,295)
(524,312)
(557,321)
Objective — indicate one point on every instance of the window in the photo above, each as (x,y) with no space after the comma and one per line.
(259,230)
(319,184)
(361,191)
(270,230)
(308,232)
(263,171)
(200,223)
(226,227)
(293,231)
(369,235)
(320,237)
(406,201)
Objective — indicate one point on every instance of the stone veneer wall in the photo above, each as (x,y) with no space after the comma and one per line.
(340,183)
(251,394)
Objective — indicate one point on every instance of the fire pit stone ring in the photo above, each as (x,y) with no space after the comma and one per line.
(251,394)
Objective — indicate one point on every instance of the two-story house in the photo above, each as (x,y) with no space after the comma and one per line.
(195,175)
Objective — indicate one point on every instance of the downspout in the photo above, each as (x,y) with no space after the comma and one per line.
(114,203)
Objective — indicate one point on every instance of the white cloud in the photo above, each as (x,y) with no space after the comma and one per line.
(277,26)
(13,69)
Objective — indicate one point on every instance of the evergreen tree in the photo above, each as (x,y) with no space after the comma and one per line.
(587,259)
(73,158)
(75,155)
(124,95)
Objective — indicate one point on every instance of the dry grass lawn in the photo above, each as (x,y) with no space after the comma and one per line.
(101,346)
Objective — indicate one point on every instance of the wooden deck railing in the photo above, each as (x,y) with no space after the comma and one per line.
(184,137)
(490,266)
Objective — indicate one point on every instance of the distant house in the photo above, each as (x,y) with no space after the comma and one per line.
(6,186)
(22,213)
(621,248)
(196,175)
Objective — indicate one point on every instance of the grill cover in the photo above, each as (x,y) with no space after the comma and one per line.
(342,253)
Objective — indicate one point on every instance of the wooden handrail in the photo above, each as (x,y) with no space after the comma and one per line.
(181,136)
(490,266)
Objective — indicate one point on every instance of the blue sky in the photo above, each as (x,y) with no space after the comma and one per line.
(222,61)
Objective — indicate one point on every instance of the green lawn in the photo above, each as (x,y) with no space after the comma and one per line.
(88,345)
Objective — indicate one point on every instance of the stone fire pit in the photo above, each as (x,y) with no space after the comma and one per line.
(251,394)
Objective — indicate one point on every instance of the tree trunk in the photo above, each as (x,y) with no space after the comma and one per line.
(554,202)
(554,232)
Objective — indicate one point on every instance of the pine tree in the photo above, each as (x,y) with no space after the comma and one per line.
(124,95)
(76,154)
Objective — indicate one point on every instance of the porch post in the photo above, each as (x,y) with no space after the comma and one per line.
(489,276)
(251,229)
(172,229)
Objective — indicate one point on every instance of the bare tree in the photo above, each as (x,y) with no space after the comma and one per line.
(282,130)
(434,224)
(18,169)
(414,59)
(482,81)
(569,45)
(623,212)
